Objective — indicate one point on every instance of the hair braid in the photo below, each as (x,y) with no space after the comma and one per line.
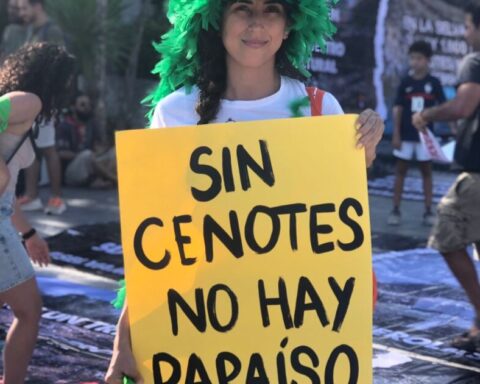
(212,80)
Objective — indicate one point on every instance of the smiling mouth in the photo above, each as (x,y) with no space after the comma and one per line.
(255,43)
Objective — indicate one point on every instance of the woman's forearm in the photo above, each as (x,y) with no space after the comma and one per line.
(122,337)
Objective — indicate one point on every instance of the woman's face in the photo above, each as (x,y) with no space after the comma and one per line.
(253,31)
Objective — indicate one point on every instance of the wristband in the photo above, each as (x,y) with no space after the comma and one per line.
(27,235)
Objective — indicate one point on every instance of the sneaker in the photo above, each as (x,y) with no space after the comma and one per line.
(29,204)
(55,206)
(428,219)
(394,218)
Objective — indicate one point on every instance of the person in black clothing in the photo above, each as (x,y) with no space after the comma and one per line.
(458,223)
(417,91)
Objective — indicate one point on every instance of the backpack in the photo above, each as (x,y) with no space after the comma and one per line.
(316,100)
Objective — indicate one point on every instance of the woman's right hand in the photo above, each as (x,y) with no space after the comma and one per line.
(123,364)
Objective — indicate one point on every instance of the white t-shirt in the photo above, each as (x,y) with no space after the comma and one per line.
(178,108)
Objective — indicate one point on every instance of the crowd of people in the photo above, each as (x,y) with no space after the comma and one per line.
(250,65)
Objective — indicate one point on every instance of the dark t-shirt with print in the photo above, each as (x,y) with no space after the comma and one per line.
(467,152)
(414,96)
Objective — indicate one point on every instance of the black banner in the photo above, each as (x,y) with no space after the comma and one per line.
(369,54)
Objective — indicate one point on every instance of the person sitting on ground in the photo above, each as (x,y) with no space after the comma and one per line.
(87,159)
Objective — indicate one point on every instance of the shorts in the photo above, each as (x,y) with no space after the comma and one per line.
(412,150)
(46,135)
(15,265)
(458,216)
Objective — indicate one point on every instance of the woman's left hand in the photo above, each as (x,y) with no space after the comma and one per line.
(37,249)
(370,127)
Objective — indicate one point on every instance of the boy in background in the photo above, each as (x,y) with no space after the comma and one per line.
(417,91)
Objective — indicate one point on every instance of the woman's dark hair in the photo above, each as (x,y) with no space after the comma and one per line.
(44,69)
(212,80)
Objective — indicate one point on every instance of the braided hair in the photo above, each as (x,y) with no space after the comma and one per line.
(192,51)
(212,80)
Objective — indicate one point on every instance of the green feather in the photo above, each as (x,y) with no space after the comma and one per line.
(127,380)
(297,105)
(179,64)
(119,301)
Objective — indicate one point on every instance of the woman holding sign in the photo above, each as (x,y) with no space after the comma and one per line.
(239,61)
(33,82)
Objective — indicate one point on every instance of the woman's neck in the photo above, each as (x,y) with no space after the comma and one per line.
(251,83)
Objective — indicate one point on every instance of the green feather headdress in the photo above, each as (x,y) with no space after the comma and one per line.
(179,66)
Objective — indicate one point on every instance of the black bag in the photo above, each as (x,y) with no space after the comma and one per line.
(467,151)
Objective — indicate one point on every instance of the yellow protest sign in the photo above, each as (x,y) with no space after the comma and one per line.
(247,252)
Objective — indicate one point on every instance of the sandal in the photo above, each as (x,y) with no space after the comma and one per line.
(467,341)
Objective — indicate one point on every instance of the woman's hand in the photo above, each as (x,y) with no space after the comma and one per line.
(123,364)
(370,127)
(37,249)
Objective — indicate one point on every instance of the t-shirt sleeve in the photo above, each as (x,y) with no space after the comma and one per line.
(330,105)
(470,71)
(5,110)
(400,96)
(158,120)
